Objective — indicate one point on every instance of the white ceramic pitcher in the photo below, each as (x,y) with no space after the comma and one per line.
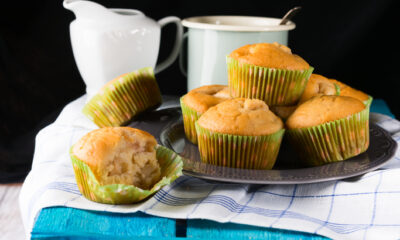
(109,42)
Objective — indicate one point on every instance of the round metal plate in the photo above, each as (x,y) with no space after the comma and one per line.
(167,126)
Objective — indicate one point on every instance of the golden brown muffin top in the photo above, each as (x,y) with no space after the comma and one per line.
(120,155)
(317,85)
(346,90)
(270,55)
(202,98)
(322,109)
(241,116)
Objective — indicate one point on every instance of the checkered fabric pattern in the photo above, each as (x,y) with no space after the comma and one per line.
(368,208)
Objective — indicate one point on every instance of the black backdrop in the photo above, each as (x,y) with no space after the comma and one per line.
(352,41)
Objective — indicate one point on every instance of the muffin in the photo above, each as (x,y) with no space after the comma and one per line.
(120,165)
(198,101)
(240,133)
(283,112)
(123,98)
(269,72)
(327,129)
(346,90)
(317,85)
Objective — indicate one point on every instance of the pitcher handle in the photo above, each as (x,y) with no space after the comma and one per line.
(178,40)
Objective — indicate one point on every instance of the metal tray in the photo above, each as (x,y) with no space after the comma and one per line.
(167,126)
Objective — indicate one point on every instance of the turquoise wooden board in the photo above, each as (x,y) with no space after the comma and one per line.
(380,106)
(201,229)
(70,222)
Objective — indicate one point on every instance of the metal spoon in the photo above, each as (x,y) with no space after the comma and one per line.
(289,15)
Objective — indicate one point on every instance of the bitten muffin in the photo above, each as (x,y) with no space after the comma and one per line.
(269,72)
(327,129)
(120,165)
(240,133)
(123,98)
(346,90)
(120,155)
(198,101)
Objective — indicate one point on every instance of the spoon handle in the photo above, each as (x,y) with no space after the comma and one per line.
(289,15)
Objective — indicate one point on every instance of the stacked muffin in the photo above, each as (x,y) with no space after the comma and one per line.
(241,133)
(269,72)
(197,102)
(329,128)
(326,120)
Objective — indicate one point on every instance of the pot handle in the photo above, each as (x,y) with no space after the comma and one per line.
(178,40)
(182,54)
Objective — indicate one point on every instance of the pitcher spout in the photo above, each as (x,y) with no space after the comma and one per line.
(86,9)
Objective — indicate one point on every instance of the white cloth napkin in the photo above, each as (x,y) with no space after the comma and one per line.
(365,209)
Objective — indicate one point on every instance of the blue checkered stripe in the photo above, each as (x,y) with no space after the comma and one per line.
(288,201)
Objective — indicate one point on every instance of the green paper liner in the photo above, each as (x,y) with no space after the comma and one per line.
(190,116)
(235,151)
(123,98)
(337,89)
(368,102)
(273,86)
(171,168)
(332,141)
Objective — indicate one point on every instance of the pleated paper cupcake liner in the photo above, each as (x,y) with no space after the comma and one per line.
(337,88)
(368,102)
(250,152)
(273,86)
(333,141)
(123,98)
(171,168)
(190,116)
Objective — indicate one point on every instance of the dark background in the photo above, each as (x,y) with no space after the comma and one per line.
(352,41)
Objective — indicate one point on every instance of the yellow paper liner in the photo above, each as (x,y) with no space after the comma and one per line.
(368,102)
(273,86)
(332,141)
(123,98)
(190,116)
(235,151)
